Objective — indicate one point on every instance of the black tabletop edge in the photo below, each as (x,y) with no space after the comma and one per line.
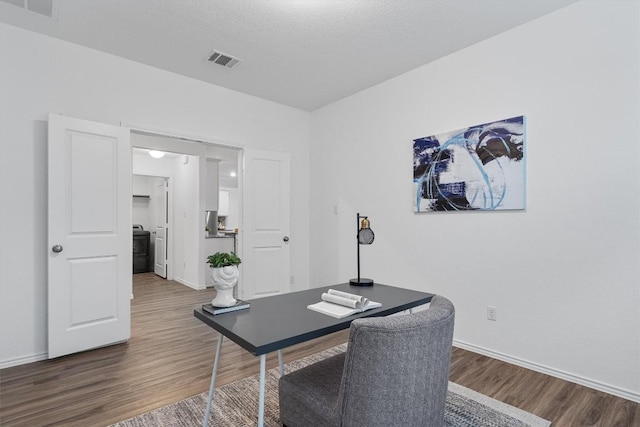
(342,324)
(208,319)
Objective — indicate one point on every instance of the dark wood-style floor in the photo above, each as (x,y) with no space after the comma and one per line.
(170,355)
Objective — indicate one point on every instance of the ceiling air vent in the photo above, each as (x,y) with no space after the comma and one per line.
(223,59)
(42,7)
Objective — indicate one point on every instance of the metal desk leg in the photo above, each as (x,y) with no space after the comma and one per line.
(280,362)
(212,387)
(263,359)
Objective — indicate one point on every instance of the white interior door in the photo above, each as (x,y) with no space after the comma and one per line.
(162,219)
(266,252)
(90,235)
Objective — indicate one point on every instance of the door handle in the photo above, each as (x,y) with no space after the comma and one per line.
(57,248)
(285,239)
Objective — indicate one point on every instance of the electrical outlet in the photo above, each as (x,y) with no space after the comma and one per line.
(492,313)
(292,280)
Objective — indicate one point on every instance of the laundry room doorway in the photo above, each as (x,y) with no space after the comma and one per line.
(150,217)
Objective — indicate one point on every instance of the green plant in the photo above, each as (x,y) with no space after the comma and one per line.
(223,259)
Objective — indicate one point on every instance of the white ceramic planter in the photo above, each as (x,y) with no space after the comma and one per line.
(224,279)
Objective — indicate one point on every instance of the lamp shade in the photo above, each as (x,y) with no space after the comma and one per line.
(365,234)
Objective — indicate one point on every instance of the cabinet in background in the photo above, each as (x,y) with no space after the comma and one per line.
(223,203)
(211,186)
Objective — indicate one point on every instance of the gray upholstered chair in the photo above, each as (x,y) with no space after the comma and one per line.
(394,373)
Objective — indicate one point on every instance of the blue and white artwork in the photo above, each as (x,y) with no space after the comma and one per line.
(476,168)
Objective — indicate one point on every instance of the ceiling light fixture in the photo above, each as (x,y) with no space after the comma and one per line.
(156,154)
(232,174)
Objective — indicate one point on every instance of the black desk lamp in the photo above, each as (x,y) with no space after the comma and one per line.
(365,236)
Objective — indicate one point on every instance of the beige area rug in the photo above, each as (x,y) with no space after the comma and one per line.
(236,404)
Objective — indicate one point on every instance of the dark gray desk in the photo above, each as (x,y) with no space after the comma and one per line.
(273,323)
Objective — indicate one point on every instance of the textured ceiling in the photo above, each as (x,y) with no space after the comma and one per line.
(301,53)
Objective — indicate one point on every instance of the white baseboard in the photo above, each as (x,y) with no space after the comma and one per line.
(22,360)
(567,376)
(189,284)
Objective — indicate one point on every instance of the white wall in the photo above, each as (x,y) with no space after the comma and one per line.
(188,221)
(38,75)
(145,209)
(564,274)
(141,209)
(211,185)
(566,280)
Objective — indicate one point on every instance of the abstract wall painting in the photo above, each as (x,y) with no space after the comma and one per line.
(476,168)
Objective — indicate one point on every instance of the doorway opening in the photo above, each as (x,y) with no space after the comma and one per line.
(150,216)
(197,177)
